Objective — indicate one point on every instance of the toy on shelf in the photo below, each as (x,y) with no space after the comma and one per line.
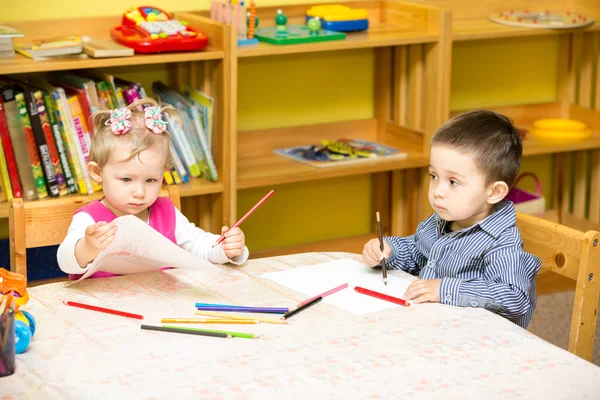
(333,152)
(560,130)
(546,19)
(16,285)
(152,30)
(340,18)
(243,18)
(282,33)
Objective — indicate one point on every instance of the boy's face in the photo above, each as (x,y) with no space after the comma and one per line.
(458,190)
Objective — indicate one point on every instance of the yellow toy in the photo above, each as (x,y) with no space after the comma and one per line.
(556,129)
(16,285)
(339,18)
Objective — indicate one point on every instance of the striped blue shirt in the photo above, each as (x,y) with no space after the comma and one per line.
(480,266)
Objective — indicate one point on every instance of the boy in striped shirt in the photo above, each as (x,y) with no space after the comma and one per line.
(469,253)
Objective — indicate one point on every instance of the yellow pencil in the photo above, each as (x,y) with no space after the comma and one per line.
(240,317)
(208,321)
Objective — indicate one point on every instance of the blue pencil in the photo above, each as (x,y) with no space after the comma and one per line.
(268,310)
(233,306)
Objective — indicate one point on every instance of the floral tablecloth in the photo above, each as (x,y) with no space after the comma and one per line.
(428,351)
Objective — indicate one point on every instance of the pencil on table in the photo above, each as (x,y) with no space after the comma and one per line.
(301,308)
(208,321)
(239,317)
(232,334)
(188,331)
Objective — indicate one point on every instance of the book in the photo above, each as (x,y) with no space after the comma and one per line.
(104,48)
(343,151)
(9,155)
(9,32)
(50,47)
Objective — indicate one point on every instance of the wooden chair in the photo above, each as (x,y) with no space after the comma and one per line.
(575,255)
(46,222)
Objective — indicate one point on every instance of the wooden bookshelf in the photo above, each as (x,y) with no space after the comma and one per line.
(206,70)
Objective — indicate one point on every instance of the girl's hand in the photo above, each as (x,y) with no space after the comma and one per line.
(372,254)
(234,241)
(99,235)
(424,290)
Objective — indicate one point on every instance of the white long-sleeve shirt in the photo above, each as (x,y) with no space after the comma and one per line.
(188,236)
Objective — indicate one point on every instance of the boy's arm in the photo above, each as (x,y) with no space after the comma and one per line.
(66,251)
(504,287)
(405,255)
(198,242)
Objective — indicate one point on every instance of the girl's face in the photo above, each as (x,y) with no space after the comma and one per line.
(130,187)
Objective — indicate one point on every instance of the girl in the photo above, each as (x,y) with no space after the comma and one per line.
(128,156)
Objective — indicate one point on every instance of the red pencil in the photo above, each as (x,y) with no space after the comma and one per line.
(222,237)
(382,296)
(104,310)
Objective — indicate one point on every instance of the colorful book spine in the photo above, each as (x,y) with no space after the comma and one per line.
(9,155)
(32,149)
(58,139)
(66,123)
(82,135)
(50,143)
(4,178)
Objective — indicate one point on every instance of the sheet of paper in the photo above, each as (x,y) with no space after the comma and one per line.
(315,279)
(137,248)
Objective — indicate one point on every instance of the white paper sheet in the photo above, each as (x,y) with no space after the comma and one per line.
(315,279)
(137,248)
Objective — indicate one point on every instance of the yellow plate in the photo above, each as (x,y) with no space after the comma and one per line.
(336,12)
(559,124)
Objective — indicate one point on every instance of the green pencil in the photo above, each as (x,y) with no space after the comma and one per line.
(234,334)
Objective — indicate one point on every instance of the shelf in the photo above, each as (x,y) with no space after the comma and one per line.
(97,27)
(258,166)
(478,29)
(196,187)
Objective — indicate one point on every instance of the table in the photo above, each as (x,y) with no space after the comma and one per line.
(426,351)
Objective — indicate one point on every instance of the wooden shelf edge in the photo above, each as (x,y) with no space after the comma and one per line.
(353,244)
(484,29)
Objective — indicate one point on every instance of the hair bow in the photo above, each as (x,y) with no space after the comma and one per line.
(119,120)
(154,120)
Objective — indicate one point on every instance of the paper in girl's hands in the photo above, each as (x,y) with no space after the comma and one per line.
(137,248)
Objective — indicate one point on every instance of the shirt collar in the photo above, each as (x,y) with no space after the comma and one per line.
(503,217)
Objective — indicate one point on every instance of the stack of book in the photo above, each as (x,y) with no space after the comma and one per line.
(46,131)
(7,34)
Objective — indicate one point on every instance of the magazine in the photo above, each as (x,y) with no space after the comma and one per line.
(331,153)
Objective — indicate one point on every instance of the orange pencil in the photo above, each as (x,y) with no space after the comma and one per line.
(208,321)
(261,201)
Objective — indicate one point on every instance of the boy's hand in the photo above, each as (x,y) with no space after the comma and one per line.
(233,244)
(99,235)
(424,290)
(372,255)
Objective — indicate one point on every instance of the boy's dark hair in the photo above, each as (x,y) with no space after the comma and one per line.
(490,137)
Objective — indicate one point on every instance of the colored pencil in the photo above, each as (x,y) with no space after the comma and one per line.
(176,329)
(240,317)
(383,268)
(260,202)
(233,334)
(324,294)
(240,307)
(266,310)
(382,296)
(301,308)
(208,321)
(104,310)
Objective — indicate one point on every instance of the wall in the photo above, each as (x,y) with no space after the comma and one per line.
(318,88)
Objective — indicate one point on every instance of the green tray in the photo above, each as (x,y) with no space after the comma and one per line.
(295,34)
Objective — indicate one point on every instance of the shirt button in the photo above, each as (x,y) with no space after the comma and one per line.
(448,297)
(431,264)
(474,303)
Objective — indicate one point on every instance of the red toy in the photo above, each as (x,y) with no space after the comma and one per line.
(151,30)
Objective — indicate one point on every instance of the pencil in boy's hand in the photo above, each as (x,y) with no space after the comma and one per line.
(301,308)
(383,268)
(260,202)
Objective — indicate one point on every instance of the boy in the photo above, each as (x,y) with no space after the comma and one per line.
(469,253)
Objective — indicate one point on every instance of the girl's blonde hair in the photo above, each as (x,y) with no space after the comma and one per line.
(137,139)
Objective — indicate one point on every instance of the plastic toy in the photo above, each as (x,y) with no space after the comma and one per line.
(546,19)
(243,18)
(24,321)
(340,18)
(282,33)
(556,129)
(152,30)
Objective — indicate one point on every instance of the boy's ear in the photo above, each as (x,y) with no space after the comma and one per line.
(94,171)
(498,191)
